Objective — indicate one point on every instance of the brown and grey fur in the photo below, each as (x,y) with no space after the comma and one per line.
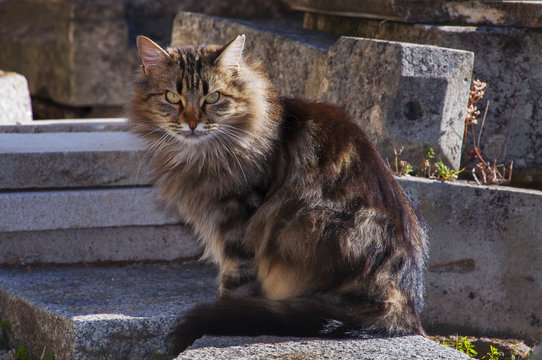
(311,233)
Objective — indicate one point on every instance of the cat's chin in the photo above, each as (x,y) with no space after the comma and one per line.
(192,137)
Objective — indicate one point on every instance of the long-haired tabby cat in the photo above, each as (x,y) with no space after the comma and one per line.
(311,233)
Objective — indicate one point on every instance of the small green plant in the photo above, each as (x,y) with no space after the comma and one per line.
(438,170)
(493,354)
(465,346)
(20,354)
(4,328)
(402,167)
(443,172)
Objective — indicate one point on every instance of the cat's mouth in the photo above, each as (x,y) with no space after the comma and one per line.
(187,132)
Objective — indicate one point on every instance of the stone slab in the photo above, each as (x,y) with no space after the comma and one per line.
(485,273)
(401,94)
(99,245)
(80,209)
(67,125)
(500,13)
(266,347)
(71,159)
(89,313)
(507,58)
(15,105)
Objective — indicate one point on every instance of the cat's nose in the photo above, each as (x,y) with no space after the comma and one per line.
(192,125)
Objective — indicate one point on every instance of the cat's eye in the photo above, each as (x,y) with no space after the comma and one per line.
(172,97)
(212,97)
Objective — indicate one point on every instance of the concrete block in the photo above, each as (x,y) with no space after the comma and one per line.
(485,274)
(401,94)
(98,245)
(125,313)
(506,57)
(71,159)
(90,312)
(67,125)
(404,347)
(15,105)
(76,209)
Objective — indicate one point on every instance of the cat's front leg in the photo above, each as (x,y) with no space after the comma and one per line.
(237,275)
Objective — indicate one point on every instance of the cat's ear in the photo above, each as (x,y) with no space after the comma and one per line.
(230,57)
(152,55)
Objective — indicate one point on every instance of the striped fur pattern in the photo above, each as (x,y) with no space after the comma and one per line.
(311,233)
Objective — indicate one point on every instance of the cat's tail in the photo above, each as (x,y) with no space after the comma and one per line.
(299,317)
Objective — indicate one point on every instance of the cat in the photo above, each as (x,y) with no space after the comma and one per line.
(310,231)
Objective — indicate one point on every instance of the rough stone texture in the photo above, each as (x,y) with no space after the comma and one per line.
(75,209)
(67,125)
(15,105)
(71,159)
(75,53)
(485,274)
(125,313)
(264,347)
(82,53)
(401,94)
(94,312)
(501,13)
(104,244)
(508,58)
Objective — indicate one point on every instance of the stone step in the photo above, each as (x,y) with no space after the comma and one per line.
(30,160)
(89,225)
(89,313)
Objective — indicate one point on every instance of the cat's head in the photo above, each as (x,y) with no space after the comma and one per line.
(197,94)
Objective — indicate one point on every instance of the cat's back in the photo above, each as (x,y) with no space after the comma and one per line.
(328,138)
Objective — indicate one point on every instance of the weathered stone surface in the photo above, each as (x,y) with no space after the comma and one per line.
(502,13)
(67,125)
(82,53)
(401,94)
(485,273)
(507,58)
(126,312)
(100,244)
(71,159)
(90,312)
(75,53)
(75,209)
(267,347)
(15,105)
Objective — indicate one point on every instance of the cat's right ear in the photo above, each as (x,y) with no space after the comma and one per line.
(152,55)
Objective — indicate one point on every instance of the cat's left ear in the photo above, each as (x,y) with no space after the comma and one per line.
(152,55)
(230,57)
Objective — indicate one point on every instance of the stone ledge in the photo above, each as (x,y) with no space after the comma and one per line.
(125,313)
(67,125)
(71,159)
(485,273)
(268,347)
(99,245)
(77,209)
(85,312)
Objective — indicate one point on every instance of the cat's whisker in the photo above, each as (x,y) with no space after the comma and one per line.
(150,150)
